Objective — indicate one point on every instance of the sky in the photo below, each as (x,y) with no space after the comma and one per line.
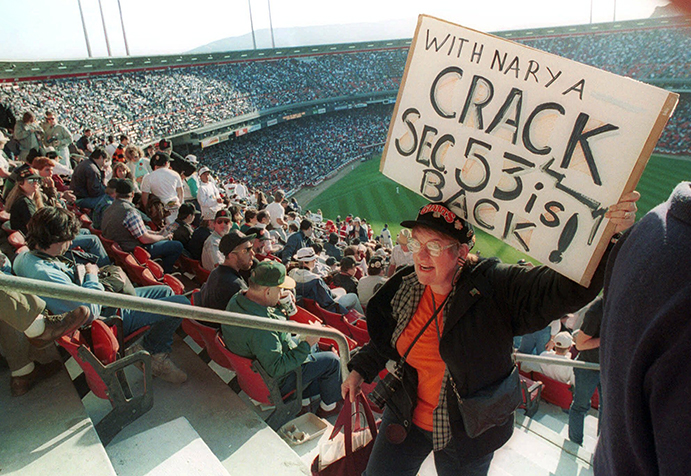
(52,29)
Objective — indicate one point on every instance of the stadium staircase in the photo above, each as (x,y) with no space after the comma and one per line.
(204,427)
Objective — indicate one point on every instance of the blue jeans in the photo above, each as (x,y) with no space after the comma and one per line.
(88,202)
(535,343)
(168,250)
(321,375)
(586,381)
(160,337)
(406,458)
(91,244)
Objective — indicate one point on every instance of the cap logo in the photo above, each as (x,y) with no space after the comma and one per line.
(439,211)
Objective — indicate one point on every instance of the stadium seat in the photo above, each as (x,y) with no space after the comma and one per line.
(108,245)
(155,268)
(252,378)
(338,321)
(98,351)
(187,265)
(555,392)
(174,283)
(531,391)
(303,316)
(138,273)
(119,256)
(141,255)
(17,240)
(201,274)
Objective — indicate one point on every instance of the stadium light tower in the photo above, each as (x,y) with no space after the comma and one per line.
(105,32)
(254,39)
(86,36)
(124,35)
(271,26)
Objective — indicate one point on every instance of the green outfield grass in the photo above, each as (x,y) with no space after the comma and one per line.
(365,192)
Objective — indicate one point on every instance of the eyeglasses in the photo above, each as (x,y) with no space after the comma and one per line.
(434,248)
(222,220)
(34,180)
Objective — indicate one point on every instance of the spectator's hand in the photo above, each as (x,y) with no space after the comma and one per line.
(623,214)
(550,345)
(311,340)
(91,268)
(352,385)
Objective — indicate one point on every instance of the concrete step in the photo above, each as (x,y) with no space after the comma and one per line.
(178,450)
(232,431)
(47,431)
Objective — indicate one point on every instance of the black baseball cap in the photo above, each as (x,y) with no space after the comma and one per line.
(437,216)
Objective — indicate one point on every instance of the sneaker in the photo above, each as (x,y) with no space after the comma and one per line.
(164,368)
(20,385)
(321,413)
(60,325)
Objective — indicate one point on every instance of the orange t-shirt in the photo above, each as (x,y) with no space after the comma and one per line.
(425,358)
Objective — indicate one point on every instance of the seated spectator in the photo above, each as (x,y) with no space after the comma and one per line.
(331,247)
(25,321)
(226,280)
(345,277)
(138,164)
(165,183)
(311,286)
(24,199)
(276,351)
(106,200)
(211,256)
(123,224)
(88,179)
(320,266)
(196,244)
(235,217)
(401,256)
(263,219)
(262,245)
(371,283)
(84,142)
(119,153)
(208,196)
(50,232)
(358,231)
(353,251)
(250,219)
(122,171)
(54,196)
(561,373)
(277,212)
(184,231)
(298,240)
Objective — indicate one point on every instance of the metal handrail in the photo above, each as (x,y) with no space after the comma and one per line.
(578,364)
(184,311)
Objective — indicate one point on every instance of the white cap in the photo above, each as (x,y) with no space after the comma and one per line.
(192,158)
(306,254)
(203,170)
(563,340)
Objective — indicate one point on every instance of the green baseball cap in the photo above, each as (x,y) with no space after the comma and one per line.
(271,274)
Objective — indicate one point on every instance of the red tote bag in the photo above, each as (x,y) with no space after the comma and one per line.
(354,462)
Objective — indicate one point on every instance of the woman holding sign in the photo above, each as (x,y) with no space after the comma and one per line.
(448,323)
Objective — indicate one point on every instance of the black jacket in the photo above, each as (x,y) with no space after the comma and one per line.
(477,345)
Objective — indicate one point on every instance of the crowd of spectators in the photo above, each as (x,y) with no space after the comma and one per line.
(300,152)
(149,104)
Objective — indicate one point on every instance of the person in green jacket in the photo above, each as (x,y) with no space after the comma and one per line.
(278,352)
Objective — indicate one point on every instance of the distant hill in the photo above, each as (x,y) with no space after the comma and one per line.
(314,35)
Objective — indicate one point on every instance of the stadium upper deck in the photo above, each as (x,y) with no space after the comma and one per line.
(150,97)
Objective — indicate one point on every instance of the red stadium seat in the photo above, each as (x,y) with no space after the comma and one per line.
(141,255)
(253,379)
(17,240)
(305,317)
(98,351)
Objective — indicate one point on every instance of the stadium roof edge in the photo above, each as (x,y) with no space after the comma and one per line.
(40,70)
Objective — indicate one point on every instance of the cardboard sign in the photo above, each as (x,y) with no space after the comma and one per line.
(528,146)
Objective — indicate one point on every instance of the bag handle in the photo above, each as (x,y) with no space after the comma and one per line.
(345,421)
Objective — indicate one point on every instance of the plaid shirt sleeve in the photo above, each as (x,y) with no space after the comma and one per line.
(134,224)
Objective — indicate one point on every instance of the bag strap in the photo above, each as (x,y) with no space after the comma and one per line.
(424,328)
(345,421)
